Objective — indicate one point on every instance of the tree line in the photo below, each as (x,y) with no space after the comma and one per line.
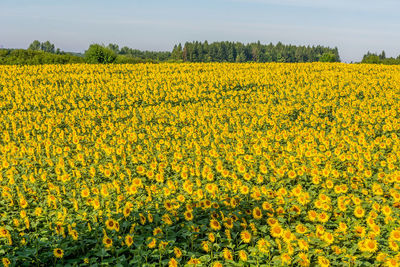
(374,58)
(252,52)
(46,53)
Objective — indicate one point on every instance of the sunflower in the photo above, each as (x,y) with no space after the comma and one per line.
(244,190)
(303,245)
(242,255)
(266,205)
(107,241)
(152,243)
(328,237)
(215,225)
(257,214)
(58,253)
(286,259)
(263,245)
(216,264)
(272,221)
(126,211)
(276,230)
(188,215)
(74,234)
(360,230)
(205,246)
(392,262)
(359,212)
(177,252)
(128,240)
(228,223)
(372,245)
(194,261)
(368,245)
(323,262)
(23,203)
(312,215)
(301,229)
(395,234)
(110,224)
(142,219)
(323,217)
(211,237)
(6,262)
(172,262)
(245,236)
(227,254)
(304,261)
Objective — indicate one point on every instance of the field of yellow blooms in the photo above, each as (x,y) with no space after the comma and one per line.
(200,164)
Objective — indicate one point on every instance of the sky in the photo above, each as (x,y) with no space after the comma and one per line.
(354,26)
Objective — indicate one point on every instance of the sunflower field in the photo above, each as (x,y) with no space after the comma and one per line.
(200,164)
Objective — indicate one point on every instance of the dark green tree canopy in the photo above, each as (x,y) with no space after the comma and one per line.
(35,45)
(373,58)
(45,46)
(256,52)
(99,54)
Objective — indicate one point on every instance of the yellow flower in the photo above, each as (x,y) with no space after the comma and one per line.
(194,261)
(392,262)
(128,240)
(227,254)
(205,246)
(177,252)
(110,224)
(276,230)
(395,234)
(368,245)
(107,241)
(323,262)
(172,262)
(211,237)
(323,217)
(152,243)
(188,215)
(257,213)
(245,236)
(58,253)
(216,264)
(301,229)
(359,212)
(215,225)
(6,262)
(242,255)
(263,245)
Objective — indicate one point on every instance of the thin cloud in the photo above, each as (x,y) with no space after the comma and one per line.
(360,5)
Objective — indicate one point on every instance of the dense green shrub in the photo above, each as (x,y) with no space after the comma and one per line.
(99,54)
(32,57)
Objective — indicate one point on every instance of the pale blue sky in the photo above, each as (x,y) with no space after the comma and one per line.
(354,26)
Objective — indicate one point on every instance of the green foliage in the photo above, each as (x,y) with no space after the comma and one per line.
(99,54)
(372,58)
(45,46)
(145,55)
(177,53)
(113,47)
(35,57)
(257,52)
(328,57)
(35,45)
(189,52)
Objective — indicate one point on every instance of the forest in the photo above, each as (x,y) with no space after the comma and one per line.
(46,53)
